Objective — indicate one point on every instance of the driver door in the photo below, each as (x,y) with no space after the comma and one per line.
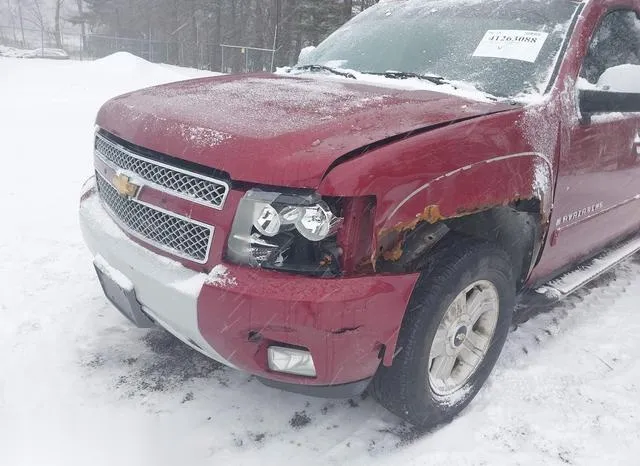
(597,195)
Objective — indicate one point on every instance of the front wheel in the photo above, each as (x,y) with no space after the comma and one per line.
(454,329)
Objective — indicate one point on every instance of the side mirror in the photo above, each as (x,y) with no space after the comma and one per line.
(597,101)
(304,53)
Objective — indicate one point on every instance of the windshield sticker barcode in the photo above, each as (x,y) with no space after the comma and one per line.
(512,45)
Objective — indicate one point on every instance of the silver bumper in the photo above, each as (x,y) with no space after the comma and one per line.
(167,291)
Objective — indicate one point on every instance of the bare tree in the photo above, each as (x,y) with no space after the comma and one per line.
(36,17)
(57,29)
(83,26)
(12,19)
(347,9)
(21,18)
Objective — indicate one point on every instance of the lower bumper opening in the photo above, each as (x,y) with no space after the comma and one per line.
(347,390)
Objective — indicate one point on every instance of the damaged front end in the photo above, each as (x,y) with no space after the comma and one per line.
(300,233)
(400,248)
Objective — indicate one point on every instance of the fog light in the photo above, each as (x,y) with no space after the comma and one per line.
(291,361)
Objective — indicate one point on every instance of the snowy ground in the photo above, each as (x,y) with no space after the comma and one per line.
(79,385)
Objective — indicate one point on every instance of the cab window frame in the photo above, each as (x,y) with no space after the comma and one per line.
(582,73)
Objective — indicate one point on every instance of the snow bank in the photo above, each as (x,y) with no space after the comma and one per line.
(124,60)
(11,52)
(140,71)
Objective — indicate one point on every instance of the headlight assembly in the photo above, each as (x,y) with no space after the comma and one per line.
(286,232)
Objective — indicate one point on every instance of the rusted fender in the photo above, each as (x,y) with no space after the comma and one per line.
(452,171)
(474,188)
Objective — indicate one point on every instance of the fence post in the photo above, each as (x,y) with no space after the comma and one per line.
(273,54)
(42,42)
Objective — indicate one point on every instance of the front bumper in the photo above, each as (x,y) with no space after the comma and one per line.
(167,291)
(235,313)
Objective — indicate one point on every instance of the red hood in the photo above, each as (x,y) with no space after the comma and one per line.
(275,130)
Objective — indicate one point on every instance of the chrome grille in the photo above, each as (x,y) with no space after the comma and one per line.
(176,235)
(179,182)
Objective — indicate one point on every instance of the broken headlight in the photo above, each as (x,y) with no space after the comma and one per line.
(288,232)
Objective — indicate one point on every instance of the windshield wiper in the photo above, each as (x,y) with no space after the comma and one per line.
(439,80)
(315,68)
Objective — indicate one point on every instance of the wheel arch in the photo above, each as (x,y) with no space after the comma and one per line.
(505,200)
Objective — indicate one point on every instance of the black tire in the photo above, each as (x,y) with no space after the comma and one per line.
(458,262)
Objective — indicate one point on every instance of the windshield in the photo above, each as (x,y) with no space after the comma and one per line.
(506,48)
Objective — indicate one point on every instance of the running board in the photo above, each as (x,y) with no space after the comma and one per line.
(588,271)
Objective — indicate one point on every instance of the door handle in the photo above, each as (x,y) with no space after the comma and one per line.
(636,143)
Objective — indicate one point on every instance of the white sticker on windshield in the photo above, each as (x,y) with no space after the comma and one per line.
(512,45)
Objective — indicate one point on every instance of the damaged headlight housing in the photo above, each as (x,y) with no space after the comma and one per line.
(290,232)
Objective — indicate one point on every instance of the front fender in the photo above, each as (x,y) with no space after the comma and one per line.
(449,173)
(473,188)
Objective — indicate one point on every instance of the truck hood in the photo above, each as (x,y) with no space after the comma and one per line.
(277,130)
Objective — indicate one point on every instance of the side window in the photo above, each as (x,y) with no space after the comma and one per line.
(616,42)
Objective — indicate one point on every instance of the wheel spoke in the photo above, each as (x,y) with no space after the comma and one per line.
(439,345)
(476,305)
(443,366)
(470,355)
(478,341)
(459,306)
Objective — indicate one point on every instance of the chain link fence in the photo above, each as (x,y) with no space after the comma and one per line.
(40,39)
(209,56)
(236,58)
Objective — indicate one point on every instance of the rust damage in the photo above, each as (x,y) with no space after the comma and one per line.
(431,214)
(391,241)
(396,253)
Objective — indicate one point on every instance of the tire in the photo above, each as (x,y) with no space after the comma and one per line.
(414,387)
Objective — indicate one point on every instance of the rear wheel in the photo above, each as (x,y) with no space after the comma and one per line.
(454,329)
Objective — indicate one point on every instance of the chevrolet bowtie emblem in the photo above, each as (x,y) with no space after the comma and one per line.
(124,186)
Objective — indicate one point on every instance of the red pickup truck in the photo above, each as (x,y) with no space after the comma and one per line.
(369,218)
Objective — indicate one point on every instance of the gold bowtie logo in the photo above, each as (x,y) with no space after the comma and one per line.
(124,186)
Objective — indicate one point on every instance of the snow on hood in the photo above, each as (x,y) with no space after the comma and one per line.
(458,88)
(278,130)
